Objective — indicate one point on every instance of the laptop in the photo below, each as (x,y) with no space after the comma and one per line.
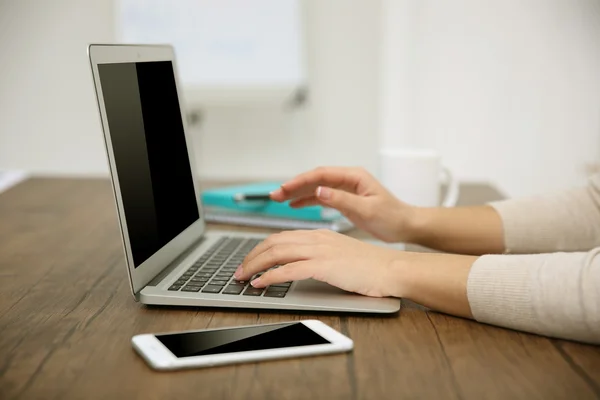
(171,258)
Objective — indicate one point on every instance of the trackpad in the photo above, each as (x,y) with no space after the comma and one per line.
(311,286)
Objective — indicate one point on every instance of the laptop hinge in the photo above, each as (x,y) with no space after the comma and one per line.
(175,263)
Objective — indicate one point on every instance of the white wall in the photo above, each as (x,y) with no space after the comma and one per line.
(48,117)
(49,121)
(338,126)
(508,90)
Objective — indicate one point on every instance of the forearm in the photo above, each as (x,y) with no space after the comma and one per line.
(464,230)
(555,294)
(565,221)
(436,281)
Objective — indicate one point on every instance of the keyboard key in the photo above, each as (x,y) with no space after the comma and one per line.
(176,287)
(233,289)
(227,253)
(212,289)
(189,288)
(284,285)
(228,270)
(253,292)
(270,293)
(277,289)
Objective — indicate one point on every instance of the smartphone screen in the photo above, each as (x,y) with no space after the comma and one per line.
(262,337)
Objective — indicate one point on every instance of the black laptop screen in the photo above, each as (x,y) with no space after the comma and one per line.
(150,153)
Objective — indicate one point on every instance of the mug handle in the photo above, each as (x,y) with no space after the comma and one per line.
(453,190)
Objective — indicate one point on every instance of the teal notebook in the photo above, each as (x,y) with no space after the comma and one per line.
(220,206)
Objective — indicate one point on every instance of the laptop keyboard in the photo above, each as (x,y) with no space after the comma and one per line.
(213,272)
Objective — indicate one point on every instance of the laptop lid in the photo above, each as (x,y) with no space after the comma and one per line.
(149,153)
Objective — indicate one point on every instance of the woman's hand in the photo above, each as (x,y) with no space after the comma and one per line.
(356,194)
(326,256)
(437,281)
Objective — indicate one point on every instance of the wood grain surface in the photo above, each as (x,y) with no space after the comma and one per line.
(67,317)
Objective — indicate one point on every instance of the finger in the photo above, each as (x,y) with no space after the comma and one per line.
(305,202)
(276,255)
(347,203)
(305,184)
(287,237)
(295,271)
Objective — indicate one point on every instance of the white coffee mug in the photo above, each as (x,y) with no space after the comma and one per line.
(415,177)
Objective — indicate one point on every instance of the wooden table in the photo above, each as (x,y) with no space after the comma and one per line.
(67,317)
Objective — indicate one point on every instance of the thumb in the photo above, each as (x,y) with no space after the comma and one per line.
(346,203)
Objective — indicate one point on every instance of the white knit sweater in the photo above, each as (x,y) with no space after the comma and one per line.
(549,280)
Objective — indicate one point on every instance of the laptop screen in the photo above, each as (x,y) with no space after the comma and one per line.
(150,153)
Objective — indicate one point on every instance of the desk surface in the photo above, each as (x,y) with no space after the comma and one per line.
(67,317)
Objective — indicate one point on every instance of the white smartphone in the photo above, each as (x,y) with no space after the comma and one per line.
(211,347)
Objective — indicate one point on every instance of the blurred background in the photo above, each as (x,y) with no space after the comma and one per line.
(508,91)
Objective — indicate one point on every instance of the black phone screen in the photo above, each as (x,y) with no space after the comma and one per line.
(260,337)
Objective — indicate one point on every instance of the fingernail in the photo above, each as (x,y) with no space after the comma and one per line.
(238,271)
(255,282)
(323,193)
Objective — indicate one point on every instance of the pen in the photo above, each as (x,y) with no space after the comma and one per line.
(238,197)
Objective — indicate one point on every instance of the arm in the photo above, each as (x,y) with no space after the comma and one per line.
(567,221)
(464,230)
(554,295)
(371,207)
(549,294)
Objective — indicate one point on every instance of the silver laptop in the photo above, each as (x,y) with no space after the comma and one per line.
(171,258)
